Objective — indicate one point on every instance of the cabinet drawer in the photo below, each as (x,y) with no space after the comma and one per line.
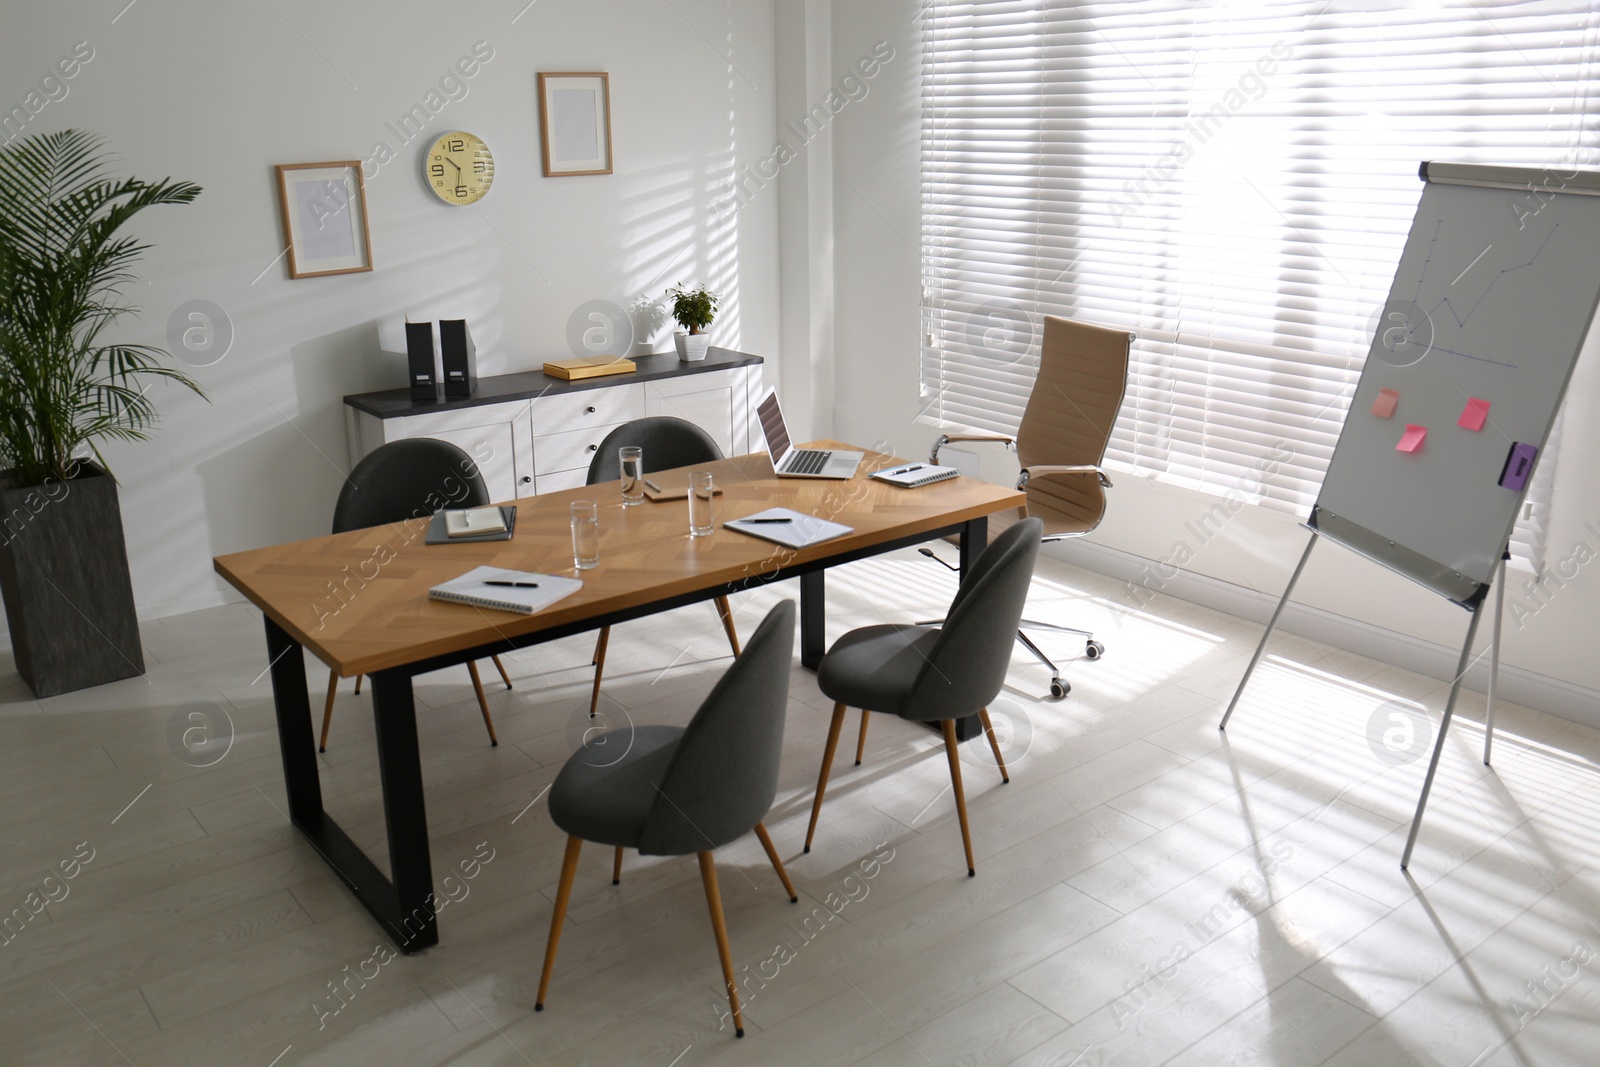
(438,423)
(591,407)
(553,452)
(554,483)
(493,449)
(709,409)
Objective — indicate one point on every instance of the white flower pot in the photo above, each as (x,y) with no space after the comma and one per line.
(691,346)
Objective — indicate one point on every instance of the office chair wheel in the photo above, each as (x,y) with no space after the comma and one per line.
(1094,649)
(1059,688)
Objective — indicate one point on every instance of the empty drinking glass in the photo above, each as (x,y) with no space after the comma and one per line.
(700,493)
(631,460)
(585,534)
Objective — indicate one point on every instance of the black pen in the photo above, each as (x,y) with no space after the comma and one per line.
(514,585)
(753,521)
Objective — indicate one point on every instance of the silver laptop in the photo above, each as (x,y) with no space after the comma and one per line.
(790,462)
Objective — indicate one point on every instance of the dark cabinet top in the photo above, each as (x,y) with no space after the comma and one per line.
(526,385)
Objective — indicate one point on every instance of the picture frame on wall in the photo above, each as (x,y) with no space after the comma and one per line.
(575,123)
(324,212)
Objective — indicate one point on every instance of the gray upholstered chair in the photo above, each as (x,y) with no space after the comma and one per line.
(667,443)
(676,790)
(936,674)
(402,480)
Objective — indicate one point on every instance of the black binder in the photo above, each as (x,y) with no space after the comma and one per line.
(424,375)
(460,358)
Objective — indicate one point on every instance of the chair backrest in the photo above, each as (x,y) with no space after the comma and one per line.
(1083,373)
(408,479)
(967,665)
(667,443)
(724,774)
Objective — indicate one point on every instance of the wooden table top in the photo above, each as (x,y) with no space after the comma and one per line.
(359,600)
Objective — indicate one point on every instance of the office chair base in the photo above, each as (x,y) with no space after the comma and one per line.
(1059,687)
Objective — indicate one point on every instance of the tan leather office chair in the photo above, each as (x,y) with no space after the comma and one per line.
(1083,373)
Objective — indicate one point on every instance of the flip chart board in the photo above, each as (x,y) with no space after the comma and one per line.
(1491,301)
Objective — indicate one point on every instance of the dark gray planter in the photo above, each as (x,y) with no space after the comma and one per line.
(64,576)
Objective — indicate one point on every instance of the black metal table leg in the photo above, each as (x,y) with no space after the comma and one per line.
(974,539)
(400,770)
(813,616)
(404,906)
(296,741)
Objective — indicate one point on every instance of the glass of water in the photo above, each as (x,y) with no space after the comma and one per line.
(631,460)
(585,534)
(701,492)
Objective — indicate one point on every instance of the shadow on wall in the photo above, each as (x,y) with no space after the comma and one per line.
(281,484)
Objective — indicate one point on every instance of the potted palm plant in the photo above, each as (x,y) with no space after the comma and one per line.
(65,387)
(694,307)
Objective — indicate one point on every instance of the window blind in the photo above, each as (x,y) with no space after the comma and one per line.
(1233,183)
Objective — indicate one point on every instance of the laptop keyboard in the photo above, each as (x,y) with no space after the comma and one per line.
(810,461)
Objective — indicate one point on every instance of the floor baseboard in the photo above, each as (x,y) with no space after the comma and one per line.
(1520,686)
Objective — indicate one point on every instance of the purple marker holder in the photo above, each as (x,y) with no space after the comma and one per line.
(1519,464)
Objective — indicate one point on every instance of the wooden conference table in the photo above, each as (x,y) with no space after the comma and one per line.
(359,601)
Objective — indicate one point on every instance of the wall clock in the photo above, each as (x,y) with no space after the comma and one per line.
(459,168)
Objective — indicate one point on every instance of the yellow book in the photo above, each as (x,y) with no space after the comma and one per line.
(589,367)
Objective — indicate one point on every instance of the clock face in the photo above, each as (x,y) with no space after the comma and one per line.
(458,168)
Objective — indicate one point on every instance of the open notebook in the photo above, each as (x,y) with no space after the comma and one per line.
(911,475)
(794,529)
(534,593)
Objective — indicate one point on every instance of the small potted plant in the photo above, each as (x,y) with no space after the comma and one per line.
(67,383)
(694,307)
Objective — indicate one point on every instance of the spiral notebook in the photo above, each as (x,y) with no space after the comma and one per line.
(787,527)
(912,475)
(538,592)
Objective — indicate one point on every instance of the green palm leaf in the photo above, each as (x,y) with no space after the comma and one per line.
(62,265)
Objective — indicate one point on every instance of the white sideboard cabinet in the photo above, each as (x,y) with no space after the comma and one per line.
(530,433)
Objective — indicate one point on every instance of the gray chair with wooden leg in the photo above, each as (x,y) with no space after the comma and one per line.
(937,674)
(402,480)
(676,790)
(667,443)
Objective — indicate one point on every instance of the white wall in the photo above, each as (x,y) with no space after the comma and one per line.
(1551,654)
(219,93)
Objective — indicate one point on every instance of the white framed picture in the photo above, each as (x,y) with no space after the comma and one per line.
(575,123)
(324,210)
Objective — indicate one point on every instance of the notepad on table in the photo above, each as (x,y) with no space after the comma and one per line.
(483,529)
(671,487)
(801,531)
(911,475)
(532,592)
(469,522)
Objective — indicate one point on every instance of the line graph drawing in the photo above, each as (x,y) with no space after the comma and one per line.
(1412,323)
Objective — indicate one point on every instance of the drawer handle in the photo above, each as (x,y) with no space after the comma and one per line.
(526,478)
(592,448)
(588,411)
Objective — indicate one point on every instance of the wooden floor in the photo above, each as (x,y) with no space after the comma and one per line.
(1147,892)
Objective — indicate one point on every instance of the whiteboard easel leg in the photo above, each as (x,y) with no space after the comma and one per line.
(1262,647)
(1438,746)
(1494,659)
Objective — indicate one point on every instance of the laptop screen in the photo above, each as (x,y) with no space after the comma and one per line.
(772,427)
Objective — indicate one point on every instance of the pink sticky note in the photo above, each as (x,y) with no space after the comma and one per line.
(1474,414)
(1411,440)
(1383,407)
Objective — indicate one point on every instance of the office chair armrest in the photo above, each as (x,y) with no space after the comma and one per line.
(1069,468)
(944,439)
